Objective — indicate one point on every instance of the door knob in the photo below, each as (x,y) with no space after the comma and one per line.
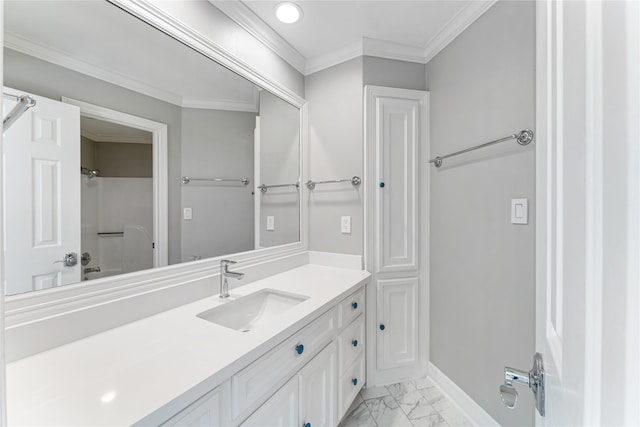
(534,379)
(69,259)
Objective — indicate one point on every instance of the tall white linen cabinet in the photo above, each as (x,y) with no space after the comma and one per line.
(396,233)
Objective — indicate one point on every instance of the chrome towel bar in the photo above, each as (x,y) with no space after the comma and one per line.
(24,103)
(188,179)
(263,188)
(354,180)
(523,138)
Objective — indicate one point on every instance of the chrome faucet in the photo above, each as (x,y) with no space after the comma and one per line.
(224,274)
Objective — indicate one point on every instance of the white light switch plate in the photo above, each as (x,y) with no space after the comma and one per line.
(187,213)
(345,225)
(271,223)
(519,211)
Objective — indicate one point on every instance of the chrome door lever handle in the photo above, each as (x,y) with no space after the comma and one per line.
(69,259)
(534,379)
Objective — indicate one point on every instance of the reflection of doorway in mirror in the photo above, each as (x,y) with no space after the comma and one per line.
(41,196)
(117,198)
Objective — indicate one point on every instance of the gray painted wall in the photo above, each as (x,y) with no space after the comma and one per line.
(335,97)
(119,159)
(336,143)
(482,266)
(217,144)
(27,73)
(393,73)
(279,164)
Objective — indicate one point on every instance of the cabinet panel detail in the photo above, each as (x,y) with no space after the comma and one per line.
(397,332)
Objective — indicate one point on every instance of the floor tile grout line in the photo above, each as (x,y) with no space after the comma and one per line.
(368,409)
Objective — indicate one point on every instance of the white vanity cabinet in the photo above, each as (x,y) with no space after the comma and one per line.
(351,343)
(210,410)
(281,410)
(310,379)
(327,384)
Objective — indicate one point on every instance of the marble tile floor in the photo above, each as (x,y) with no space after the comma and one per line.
(415,403)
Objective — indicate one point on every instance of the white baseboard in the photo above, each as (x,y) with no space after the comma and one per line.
(330,259)
(465,403)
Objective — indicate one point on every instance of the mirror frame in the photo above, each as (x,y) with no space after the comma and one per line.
(36,306)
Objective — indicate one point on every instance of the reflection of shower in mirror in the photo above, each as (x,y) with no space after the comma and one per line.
(91,173)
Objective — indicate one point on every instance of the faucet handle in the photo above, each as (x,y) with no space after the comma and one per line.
(224,264)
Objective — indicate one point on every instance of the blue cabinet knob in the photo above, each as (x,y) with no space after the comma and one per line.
(381,327)
(307,425)
(382,185)
(299,348)
(354,381)
(354,305)
(355,343)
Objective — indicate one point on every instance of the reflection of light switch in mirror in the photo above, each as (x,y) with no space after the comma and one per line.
(187,213)
(519,211)
(271,223)
(345,225)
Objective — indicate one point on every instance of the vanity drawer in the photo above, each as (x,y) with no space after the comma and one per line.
(253,383)
(350,384)
(351,343)
(351,307)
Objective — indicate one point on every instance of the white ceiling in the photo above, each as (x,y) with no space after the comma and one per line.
(332,31)
(103,131)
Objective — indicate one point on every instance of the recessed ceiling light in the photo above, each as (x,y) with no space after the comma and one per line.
(288,12)
(108,396)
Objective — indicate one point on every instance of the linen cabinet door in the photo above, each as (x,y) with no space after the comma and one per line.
(397,133)
(397,330)
(318,389)
(281,410)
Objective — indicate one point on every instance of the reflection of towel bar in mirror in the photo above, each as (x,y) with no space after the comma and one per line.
(354,180)
(263,188)
(188,179)
(111,233)
(91,173)
(24,102)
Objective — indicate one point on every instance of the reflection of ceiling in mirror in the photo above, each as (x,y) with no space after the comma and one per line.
(103,131)
(100,40)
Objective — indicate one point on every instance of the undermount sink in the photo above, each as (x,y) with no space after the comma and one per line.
(248,312)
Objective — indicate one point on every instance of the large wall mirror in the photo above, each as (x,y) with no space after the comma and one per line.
(139,153)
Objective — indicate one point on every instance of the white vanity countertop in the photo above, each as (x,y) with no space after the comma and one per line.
(157,365)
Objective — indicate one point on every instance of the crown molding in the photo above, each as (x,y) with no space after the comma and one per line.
(220,104)
(456,25)
(250,22)
(57,57)
(99,137)
(54,56)
(392,50)
(336,57)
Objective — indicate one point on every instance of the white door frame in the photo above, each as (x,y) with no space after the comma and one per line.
(160,181)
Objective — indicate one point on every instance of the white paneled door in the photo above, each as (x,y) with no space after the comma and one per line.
(588,211)
(41,157)
(397,139)
(397,323)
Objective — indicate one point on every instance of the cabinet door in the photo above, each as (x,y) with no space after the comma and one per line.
(397,328)
(211,410)
(281,410)
(397,135)
(318,389)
